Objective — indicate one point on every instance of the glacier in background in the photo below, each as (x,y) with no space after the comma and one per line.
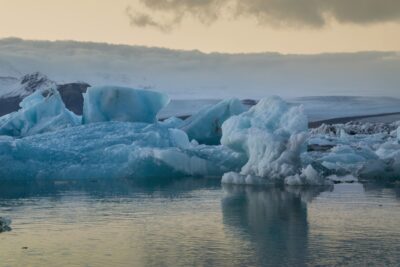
(196,75)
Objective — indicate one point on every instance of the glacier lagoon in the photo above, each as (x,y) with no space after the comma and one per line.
(118,189)
(198,222)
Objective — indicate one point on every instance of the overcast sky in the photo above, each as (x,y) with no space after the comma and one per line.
(285,26)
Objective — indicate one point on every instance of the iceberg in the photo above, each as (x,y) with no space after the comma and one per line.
(205,125)
(308,176)
(111,103)
(172,122)
(43,111)
(111,150)
(272,136)
(119,137)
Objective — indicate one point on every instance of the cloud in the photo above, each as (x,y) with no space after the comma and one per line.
(144,20)
(285,13)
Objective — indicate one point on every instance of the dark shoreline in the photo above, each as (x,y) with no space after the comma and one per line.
(315,124)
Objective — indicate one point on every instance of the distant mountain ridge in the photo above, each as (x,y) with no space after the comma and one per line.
(197,75)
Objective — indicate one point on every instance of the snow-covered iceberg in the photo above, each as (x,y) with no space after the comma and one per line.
(43,111)
(272,135)
(112,103)
(205,126)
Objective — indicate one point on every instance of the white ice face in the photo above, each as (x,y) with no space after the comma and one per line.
(272,136)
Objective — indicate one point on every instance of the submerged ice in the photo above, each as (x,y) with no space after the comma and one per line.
(119,136)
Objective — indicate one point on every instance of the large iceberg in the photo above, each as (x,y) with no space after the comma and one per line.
(113,150)
(272,135)
(43,111)
(111,103)
(205,126)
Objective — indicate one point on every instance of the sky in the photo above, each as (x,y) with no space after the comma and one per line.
(229,26)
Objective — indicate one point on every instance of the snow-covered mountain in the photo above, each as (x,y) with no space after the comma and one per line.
(26,85)
(13,90)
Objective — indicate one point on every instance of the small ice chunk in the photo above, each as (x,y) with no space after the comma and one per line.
(342,179)
(345,159)
(112,103)
(43,111)
(205,126)
(5,223)
(308,176)
(172,122)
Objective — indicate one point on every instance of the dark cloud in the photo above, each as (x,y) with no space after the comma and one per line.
(290,13)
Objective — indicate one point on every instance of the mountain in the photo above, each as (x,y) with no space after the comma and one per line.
(13,90)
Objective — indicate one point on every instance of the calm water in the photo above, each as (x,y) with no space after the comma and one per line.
(198,223)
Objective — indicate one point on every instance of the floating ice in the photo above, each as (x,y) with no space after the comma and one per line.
(110,103)
(172,122)
(205,126)
(5,223)
(308,176)
(113,150)
(271,135)
(365,150)
(40,112)
(266,144)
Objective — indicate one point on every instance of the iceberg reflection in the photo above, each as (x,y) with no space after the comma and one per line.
(272,219)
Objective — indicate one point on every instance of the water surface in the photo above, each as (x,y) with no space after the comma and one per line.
(193,222)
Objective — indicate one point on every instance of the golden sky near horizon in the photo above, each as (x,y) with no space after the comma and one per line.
(212,25)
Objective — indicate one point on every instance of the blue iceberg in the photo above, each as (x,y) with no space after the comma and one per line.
(205,126)
(112,150)
(119,137)
(111,103)
(43,111)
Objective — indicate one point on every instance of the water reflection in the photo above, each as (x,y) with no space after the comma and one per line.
(107,188)
(382,189)
(273,220)
(192,222)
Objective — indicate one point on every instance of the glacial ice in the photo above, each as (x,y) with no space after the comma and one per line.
(272,135)
(205,125)
(172,122)
(43,111)
(111,103)
(308,176)
(365,150)
(5,223)
(112,150)
(265,144)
